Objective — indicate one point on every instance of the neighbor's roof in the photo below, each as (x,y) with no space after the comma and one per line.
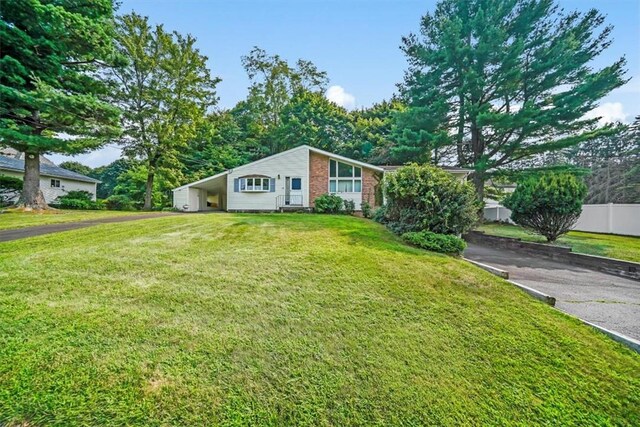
(452,169)
(17,165)
(15,154)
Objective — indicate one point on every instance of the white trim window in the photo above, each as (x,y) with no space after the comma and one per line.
(55,183)
(254,184)
(344,178)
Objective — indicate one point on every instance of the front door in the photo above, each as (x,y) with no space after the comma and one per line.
(293,191)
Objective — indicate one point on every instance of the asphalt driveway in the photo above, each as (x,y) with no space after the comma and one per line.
(38,230)
(606,300)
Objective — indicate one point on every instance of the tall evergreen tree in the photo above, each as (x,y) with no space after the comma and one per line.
(164,91)
(51,99)
(504,80)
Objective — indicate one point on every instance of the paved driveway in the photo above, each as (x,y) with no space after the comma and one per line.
(38,230)
(609,301)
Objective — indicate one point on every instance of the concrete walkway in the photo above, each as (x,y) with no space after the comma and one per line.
(609,301)
(22,233)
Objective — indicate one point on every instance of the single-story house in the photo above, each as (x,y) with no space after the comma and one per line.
(54,180)
(287,180)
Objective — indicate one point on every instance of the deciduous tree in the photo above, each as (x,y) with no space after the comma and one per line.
(165,91)
(274,82)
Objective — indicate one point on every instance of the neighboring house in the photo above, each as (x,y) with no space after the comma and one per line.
(288,180)
(54,180)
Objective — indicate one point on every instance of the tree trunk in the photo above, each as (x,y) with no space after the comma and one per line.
(478,182)
(148,193)
(32,197)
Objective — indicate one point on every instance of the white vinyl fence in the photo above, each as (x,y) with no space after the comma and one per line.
(609,218)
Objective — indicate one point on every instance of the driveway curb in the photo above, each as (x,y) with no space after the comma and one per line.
(547,299)
(631,343)
(491,269)
(622,339)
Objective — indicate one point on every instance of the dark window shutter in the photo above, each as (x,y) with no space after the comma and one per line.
(272,185)
(236,185)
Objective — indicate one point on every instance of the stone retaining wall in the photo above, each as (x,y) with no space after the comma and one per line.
(562,254)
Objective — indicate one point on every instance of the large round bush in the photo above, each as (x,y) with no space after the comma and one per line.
(424,197)
(548,204)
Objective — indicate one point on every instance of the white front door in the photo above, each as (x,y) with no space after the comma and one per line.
(293,191)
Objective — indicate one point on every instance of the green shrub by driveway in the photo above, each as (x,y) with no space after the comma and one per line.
(276,319)
(548,204)
(444,243)
(425,197)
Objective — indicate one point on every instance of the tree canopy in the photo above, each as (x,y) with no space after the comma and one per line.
(498,82)
(52,99)
(164,90)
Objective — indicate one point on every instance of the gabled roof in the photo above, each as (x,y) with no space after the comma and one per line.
(301,147)
(346,159)
(17,165)
(203,180)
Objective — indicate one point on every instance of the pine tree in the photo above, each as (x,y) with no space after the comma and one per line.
(503,81)
(51,97)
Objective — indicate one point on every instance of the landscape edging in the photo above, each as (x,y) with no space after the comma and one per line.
(617,267)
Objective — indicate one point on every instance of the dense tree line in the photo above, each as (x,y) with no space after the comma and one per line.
(493,86)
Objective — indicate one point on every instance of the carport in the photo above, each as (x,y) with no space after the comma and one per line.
(209,194)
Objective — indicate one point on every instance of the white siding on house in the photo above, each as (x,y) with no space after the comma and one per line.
(180,198)
(66,185)
(355,197)
(193,199)
(294,163)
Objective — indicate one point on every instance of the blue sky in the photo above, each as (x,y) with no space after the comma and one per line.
(355,41)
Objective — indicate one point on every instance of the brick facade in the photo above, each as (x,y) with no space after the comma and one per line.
(369,184)
(318,175)
(319,179)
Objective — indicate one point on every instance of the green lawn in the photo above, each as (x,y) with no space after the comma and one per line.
(14,219)
(286,320)
(609,245)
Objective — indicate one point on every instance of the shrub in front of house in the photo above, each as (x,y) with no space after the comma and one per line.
(328,204)
(119,202)
(349,207)
(366,209)
(10,188)
(77,200)
(443,243)
(548,204)
(427,198)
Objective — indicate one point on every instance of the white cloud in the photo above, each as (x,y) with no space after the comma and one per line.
(93,159)
(338,95)
(609,112)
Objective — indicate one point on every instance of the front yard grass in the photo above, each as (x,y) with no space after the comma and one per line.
(12,219)
(609,245)
(286,320)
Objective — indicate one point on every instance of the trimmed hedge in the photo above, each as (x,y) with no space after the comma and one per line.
(443,243)
(424,197)
(549,204)
(119,202)
(328,203)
